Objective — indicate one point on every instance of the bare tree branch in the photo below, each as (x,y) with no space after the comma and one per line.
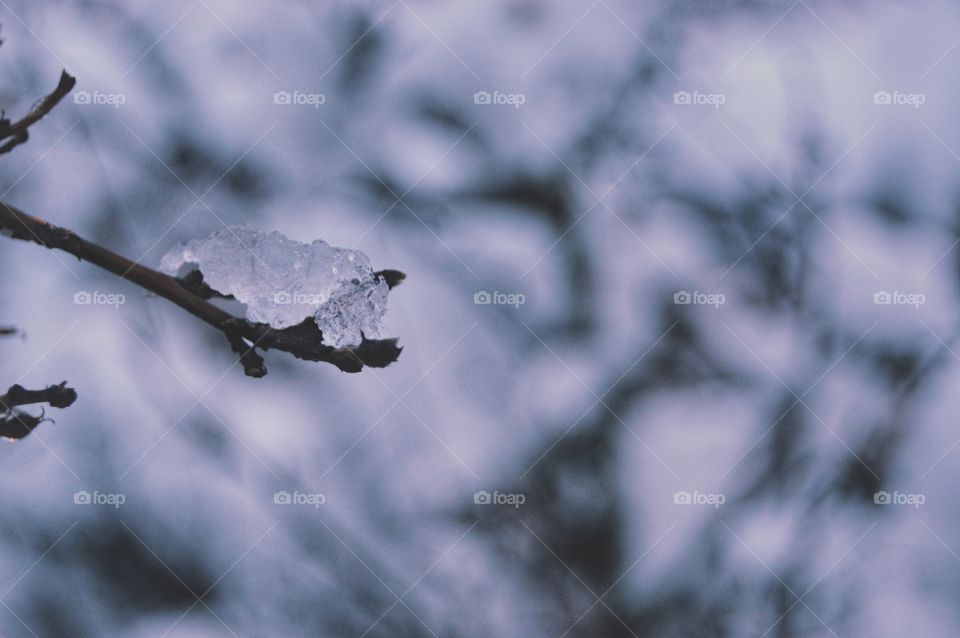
(16,424)
(18,131)
(57,396)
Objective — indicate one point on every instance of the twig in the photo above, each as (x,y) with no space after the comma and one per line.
(393,278)
(18,131)
(302,341)
(252,362)
(58,396)
(15,424)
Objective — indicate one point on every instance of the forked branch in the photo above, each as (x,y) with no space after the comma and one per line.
(18,131)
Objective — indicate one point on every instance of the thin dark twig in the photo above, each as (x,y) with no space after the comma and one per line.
(302,340)
(393,278)
(251,361)
(58,396)
(18,131)
(15,424)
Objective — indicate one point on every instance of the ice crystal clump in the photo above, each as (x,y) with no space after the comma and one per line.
(282,281)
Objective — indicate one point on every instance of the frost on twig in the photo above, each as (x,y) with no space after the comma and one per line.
(340,325)
(303,340)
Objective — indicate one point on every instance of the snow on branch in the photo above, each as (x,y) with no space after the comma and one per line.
(349,297)
(303,340)
(282,282)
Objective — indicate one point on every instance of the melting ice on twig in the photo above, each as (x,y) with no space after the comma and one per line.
(282,281)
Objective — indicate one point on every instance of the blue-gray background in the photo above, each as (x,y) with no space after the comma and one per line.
(798,158)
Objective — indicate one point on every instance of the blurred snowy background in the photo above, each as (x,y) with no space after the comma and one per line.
(713,392)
